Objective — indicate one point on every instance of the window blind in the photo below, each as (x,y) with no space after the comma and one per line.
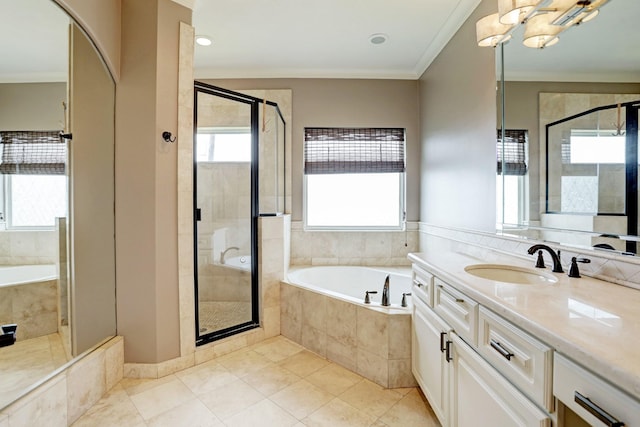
(512,152)
(32,153)
(353,150)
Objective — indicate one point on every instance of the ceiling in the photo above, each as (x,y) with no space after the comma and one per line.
(329,38)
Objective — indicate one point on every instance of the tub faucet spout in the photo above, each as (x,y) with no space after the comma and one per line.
(385,292)
(223,254)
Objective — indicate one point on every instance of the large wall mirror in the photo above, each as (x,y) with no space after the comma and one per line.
(570,114)
(57,260)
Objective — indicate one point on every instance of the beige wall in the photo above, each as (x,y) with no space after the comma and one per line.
(100,19)
(344,103)
(146,180)
(521,101)
(458,101)
(32,106)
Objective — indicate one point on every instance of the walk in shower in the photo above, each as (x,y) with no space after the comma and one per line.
(239,149)
(592,170)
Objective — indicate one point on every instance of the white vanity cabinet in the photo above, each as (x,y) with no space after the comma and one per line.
(462,388)
(430,335)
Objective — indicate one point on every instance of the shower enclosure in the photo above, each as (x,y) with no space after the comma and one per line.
(592,168)
(238,166)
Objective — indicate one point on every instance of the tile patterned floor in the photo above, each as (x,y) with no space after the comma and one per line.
(274,383)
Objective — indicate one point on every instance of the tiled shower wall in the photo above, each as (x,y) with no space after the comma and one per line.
(28,247)
(352,247)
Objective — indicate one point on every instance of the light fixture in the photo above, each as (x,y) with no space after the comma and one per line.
(378,38)
(543,20)
(539,33)
(576,12)
(203,40)
(515,11)
(490,32)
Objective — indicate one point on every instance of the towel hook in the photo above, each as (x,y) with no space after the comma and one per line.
(166,135)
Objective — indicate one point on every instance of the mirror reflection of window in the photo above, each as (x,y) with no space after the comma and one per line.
(512,170)
(596,147)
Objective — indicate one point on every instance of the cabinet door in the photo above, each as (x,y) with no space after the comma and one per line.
(430,368)
(480,396)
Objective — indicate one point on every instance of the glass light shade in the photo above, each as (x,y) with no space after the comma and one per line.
(513,11)
(490,32)
(540,33)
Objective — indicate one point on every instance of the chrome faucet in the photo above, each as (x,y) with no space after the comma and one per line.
(385,292)
(223,254)
(557,264)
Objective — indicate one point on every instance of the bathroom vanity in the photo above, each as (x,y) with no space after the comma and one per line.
(537,349)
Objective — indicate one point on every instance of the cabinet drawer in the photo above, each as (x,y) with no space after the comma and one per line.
(457,309)
(525,361)
(482,397)
(423,285)
(593,399)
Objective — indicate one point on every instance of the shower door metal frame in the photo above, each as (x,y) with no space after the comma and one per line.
(200,87)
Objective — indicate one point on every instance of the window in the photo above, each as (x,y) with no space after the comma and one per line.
(354,178)
(33,180)
(223,145)
(511,185)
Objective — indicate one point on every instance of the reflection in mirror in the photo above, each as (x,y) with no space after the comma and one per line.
(37,282)
(593,66)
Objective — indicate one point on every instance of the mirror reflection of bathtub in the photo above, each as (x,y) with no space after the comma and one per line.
(241,262)
(29,297)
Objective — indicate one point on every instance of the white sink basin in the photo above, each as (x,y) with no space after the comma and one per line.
(511,274)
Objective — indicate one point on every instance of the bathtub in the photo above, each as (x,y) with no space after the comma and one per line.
(29,297)
(242,262)
(12,275)
(322,308)
(350,283)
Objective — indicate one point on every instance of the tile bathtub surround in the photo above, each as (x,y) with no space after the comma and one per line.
(374,344)
(62,399)
(614,268)
(33,306)
(352,247)
(272,383)
(28,247)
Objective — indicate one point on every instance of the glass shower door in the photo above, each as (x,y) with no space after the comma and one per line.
(224,215)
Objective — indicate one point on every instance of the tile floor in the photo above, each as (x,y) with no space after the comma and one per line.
(274,383)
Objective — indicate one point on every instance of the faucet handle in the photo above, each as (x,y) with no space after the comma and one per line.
(540,260)
(367,300)
(404,298)
(573,270)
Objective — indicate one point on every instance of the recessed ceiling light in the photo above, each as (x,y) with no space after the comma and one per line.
(378,38)
(203,40)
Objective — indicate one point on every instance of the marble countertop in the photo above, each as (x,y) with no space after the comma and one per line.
(593,322)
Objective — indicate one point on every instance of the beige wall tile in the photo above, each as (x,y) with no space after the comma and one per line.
(373,331)
(400,374)
(373,367)
(314,339)
(114,361)
(86,384)
(342,353)
(400,336)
